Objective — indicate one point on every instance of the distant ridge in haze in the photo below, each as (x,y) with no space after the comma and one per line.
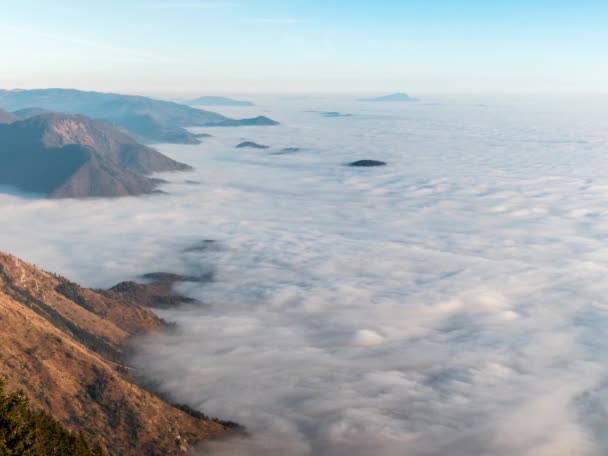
(148,119)
(394,97)
(256,121)
(26,113)
(73,156)
(218,101)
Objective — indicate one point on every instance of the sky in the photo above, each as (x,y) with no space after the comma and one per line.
(312,46)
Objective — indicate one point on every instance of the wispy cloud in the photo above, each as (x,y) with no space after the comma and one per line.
(92,44)
(191,5)
(263,20)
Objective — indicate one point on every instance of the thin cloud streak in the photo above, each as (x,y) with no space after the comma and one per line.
(196,5)
(117,50)
(263,20)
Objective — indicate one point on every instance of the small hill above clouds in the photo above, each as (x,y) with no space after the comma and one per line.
(148,119)
(67,156)
(394,97)
(65,350)
(256,121)
(218,101)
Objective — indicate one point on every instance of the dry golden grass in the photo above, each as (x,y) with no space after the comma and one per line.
(56,350)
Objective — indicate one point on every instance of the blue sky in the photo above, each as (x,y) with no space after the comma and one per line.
(269,46)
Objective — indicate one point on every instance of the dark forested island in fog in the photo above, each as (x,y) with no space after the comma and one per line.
(146,119)
(73,156)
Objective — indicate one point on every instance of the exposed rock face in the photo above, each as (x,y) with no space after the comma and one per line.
(256,121)
(73,156)
(218,101)
(252,145)
(65,350)
(146,118)
(158,292)
(7,117)
(365,163)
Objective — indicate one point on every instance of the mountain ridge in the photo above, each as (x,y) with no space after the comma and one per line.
(53,153)
(66,351)
(218,101)
(150,119)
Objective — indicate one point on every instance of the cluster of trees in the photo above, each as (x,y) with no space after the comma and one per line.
(28,432)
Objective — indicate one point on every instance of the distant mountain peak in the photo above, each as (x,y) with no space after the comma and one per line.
(218,101)
(393,97)
(255,121)
(148,119)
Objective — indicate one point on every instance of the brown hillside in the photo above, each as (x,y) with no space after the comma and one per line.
(62,345)
(72,156)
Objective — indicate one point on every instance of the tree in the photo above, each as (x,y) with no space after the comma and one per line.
(27,432)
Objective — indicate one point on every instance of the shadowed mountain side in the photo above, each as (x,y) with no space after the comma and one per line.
(145,128)
(7,117)
(74,156)
(149,119)
(64,350)
(99,177)
(157,293)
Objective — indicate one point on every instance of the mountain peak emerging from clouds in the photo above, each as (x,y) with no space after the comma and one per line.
(64,156)
(393,97)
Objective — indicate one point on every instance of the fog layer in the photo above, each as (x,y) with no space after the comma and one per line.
(451,302)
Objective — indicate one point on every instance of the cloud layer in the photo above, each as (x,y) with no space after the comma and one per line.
(453,302)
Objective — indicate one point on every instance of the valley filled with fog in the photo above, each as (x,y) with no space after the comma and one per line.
(451,302)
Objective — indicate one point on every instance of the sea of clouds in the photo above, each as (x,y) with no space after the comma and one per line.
(453,302)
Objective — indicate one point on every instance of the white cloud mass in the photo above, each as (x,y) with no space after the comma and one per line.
(453,302)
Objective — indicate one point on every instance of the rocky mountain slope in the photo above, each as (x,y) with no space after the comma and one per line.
(65,349)
(72,156)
